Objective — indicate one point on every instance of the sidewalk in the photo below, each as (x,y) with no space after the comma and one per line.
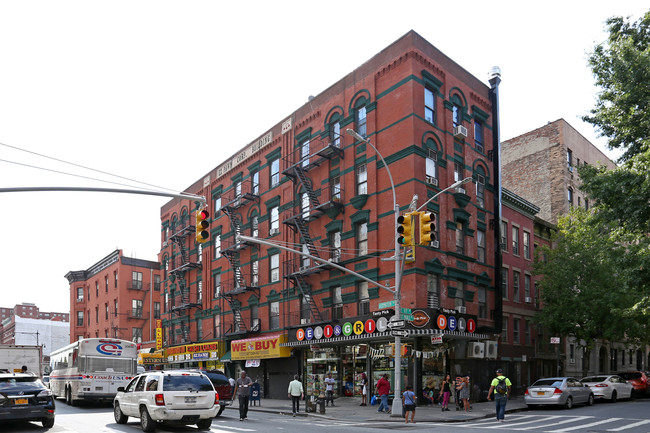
(348,409)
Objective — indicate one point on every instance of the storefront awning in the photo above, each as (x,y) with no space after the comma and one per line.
(386,336)
(226,357)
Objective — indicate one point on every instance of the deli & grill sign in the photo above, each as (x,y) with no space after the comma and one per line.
(444,320)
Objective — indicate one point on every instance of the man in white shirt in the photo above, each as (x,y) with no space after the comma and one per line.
(329,389)
(296,393)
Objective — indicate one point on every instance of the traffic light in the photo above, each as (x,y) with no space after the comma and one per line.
(427,227)
(405,230)
(202,225)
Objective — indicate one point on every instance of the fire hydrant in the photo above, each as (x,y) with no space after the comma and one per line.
(321,403)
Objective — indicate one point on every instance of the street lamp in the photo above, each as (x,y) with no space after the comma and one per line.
(396,410)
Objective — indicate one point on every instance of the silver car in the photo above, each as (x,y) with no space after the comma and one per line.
(561,391)
(609,387)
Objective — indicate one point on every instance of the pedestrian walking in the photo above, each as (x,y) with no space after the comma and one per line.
(364,389)
(408,402)
(501,387)
(383,389)
(243,392)
(464,393)
(296,393)
(445,392)
(329,389)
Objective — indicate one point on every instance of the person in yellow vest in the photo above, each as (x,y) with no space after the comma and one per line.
(500,386)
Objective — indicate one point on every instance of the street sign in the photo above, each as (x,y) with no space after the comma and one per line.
(408,317)
(405,310)
(395,324)
(399,333)
(388,304)
(555,340)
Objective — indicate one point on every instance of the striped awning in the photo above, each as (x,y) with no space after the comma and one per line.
(384,336)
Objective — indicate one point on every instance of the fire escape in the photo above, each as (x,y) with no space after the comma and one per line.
(181,265)
(240,195)
(313,204)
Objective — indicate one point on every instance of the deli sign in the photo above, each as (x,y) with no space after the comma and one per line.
(260,347)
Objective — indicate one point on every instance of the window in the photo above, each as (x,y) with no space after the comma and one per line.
(156,310)
(216,325)
(217,206)
(305,261)
(305,309)
(136,280)
(460,238)
(255,224)
(570,196)
(255,318)
(527,287)
(304,153)
(80,318)
(504,330)
(569,160)
(255,273)
(217,246)
(480,245)
(527,245)
(362,179)
(504,282)
(335,183)
(515,331)
(115,279)
(527,333)
(482,302)
(275,172)
(515,241)
(106,305)
(360,119)
(504,236)
(156,283)
(432,167)
(429,106)
(480,190)
(478,135)
(337,303)
(455,116)
(199,291)
(216,285)
(136,308)
(335,134)
(362,239)
(275,221)
(96,288)
(96,314)
(256,183)
(304,204)
(275,267)
(80,294)
(433,291)
(515,286)
(274,315)
(106,283)
(335,242)
(613,359)
(364,298)
(199,330)
(458,171)
(459,300)
(137,337)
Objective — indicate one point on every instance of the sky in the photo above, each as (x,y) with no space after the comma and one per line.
(155,94)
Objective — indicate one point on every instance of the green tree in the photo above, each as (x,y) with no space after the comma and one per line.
(582,292)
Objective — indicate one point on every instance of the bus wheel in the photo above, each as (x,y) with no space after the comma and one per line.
(68,397)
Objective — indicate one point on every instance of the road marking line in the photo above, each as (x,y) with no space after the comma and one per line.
(586,425)
(630,425)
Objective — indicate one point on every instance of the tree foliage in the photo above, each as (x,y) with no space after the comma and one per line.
(621,66)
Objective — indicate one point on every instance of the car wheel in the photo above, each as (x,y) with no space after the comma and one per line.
(204,424)
(220,411)
(120,418)
(590,400)
(48,422)
(614,397)
(147,424)
(569,403)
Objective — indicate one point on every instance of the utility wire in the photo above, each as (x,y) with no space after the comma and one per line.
(80,166)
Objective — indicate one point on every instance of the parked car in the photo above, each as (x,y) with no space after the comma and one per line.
(221,385)
(174,397)
(23,397)
(46,381)
(639,380)
(561,391)
(609,387)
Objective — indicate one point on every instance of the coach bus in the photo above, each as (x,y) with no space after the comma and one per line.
(92,369)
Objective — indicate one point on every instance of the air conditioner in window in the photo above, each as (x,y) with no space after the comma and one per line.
(304,321)
(461,190)
(491,349)
(274,232)
(476,349)
(528,299)
(460,131)
(432,181)
(572,361)
(435,244)
(461,309)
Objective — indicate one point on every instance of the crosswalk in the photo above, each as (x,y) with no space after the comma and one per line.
(556,423)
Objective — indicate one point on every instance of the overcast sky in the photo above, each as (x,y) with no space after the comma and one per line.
(161,92)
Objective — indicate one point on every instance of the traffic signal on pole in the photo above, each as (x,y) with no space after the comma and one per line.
(427,227)
(405,230)
(202,225)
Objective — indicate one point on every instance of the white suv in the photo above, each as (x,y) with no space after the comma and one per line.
(173,396)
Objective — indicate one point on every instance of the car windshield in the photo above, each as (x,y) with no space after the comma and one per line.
(187,383)
(25,383)
(594,379)
(548,382)
(630,376)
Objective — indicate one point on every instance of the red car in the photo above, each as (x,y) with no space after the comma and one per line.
(639,380)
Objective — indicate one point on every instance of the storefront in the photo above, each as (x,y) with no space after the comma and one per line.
(267,362)
(200,355)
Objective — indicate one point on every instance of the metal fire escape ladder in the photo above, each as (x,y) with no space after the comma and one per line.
(299,281)
(178,272)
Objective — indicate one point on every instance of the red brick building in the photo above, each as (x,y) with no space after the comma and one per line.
(117,297)
(308,185)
